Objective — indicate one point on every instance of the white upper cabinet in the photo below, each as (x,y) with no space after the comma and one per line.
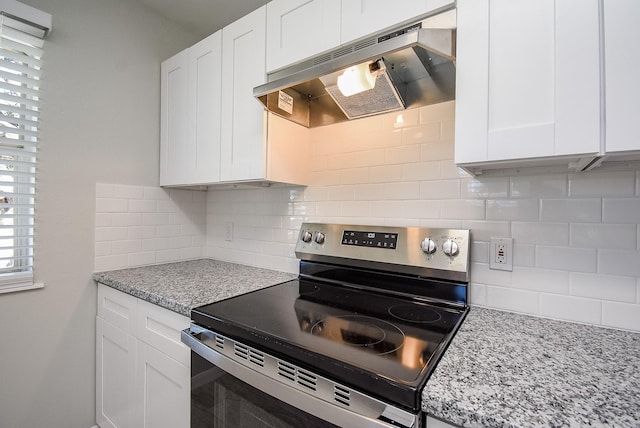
(190,115)
(527,80)
(243,147)
(301,29)
(173,109)
(364,17)
(622,62)
(297,29)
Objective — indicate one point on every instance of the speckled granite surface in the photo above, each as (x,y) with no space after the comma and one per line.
(509,370)
(184,285)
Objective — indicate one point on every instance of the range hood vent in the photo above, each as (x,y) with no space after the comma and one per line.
(407,68)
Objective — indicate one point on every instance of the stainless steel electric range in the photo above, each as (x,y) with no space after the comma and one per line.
(351,342)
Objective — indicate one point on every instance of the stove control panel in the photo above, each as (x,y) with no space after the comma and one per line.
(442,253)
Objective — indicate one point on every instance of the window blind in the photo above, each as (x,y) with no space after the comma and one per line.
(20,71)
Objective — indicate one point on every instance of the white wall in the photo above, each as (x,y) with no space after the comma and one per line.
(100,123)
(576,236)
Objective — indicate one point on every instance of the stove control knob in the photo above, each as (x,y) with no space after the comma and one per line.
(319,238)
(450,247)
(428,246)
(305,236)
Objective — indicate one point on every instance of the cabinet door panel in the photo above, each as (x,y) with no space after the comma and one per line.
(364,17)
(119,308)
(622,61)
(527,79)
(174,110)
(205,84)
(243,68)
(299,29)
(161,328)
(115,376)
(164,388)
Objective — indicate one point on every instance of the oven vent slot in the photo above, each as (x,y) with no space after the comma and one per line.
(307,379)
(256,357)
(287,371)
(219,341)
(341,394)
(299,376)
(241,351)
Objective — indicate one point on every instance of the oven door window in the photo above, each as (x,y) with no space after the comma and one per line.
(219,400)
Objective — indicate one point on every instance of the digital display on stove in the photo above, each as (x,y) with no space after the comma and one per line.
(370,239)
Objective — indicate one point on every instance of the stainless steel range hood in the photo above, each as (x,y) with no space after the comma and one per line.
(412,67)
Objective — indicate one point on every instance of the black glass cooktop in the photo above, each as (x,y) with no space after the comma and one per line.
(375,341)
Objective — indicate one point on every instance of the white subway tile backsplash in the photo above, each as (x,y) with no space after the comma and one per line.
(566,258)
(621,315)
(571,210)
(610,236)
(485,187)
(510,299)
(544,280)
(143,206)
(128,192)
(440,189)
(512,209)
(540,233)
(111,205)
(134,223)
(385,174)
(465,209)
(404,190)
(625,210)
(603,287)
(402,154)
(539,186)
(524,254)
(571,308)
(576,236)
(602,183)
(619,262)
(421,171)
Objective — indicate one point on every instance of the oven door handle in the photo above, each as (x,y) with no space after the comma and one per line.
(204,343)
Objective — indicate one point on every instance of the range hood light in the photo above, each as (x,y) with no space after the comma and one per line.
(356,79)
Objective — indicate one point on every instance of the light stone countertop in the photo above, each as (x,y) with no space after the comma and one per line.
(509,370)
(182,286)
(501,369)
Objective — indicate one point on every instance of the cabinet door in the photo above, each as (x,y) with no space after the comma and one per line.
(119,308)
(161,328)
(174,159)
(115,376)
(243,146)
(203,134)
(527,79)
(163,386)
(622,62)
(299,29)
(364,17)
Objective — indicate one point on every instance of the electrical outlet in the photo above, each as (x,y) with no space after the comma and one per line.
(228,231)
(501,254)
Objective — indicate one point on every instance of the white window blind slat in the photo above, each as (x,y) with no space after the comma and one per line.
(20,72)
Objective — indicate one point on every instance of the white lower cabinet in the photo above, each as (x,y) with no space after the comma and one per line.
(142,367)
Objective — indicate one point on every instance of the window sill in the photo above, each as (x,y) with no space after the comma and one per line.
(12,288)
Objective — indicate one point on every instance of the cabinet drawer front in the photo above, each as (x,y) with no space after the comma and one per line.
(118,308)
(161,329)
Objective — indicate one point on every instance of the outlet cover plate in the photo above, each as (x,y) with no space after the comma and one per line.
(501,254)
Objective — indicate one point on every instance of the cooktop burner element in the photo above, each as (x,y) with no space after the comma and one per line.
(414,313)
(373,307)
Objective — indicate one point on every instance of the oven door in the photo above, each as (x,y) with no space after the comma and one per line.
(227,393)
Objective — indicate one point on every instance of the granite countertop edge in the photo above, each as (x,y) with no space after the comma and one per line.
(505,369)
(182,286)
